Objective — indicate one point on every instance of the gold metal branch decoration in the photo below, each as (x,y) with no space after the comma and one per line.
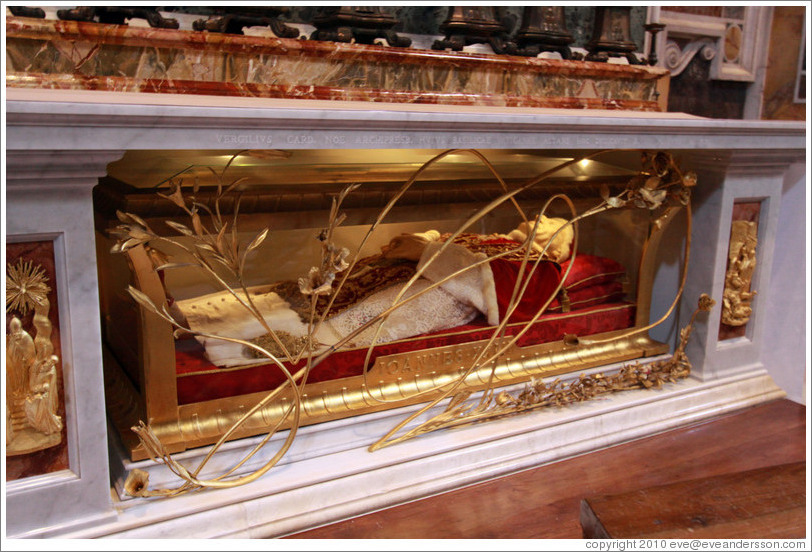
(661,181)
(210,244)
(537,394)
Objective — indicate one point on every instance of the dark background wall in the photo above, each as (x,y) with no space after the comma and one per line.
(693,92)
(427,19)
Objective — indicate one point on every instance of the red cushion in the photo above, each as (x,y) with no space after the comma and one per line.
(590,270)
(543,282)
(199,380)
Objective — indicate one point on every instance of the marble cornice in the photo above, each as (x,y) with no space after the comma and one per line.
(746,161)
(110,123)
(32,170)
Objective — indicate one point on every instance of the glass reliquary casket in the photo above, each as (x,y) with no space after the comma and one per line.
(374,279)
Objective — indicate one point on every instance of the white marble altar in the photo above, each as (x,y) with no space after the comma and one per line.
(58,143)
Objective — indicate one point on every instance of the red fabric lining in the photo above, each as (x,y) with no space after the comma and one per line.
(199,380)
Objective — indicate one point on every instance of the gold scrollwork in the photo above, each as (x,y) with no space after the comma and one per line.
(32,393)
(736,303)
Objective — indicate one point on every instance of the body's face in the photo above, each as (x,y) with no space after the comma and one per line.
(405,246)
(560,246)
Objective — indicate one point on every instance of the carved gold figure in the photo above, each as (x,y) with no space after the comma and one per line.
(736,303)
(32,394)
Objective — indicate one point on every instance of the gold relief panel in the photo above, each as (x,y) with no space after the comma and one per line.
(741,264)
(36,440)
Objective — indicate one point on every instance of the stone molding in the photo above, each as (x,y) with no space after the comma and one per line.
(30,170)
(705,35)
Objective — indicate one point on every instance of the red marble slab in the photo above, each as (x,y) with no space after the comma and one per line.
(160,38)
(90,56)
(118,84)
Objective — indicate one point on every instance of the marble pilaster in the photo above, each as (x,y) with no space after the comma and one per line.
(48,198)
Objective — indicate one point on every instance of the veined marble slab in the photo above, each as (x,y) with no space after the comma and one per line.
(72,55)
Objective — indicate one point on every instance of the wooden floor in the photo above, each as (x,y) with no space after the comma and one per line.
(765,503)
(544,502)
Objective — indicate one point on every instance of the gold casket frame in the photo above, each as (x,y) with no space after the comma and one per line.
(139,352)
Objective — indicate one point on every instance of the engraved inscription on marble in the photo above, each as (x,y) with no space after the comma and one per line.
(301,139)
(245,139)
(469,141)
(384,140)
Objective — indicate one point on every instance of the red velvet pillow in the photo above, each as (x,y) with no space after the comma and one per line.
(590,296)
(590,270)
(543,281)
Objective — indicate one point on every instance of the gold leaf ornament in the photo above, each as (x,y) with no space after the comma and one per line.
(650,199)
(652,183)
(132,231)
(706,302)
(612,201)
(175,195)
(316,283)
(178,227)
(142,299)
(137,483)
(457,399)
(256,242)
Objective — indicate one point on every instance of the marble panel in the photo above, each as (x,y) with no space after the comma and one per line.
(736,177)
(333,476)
(786,330)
